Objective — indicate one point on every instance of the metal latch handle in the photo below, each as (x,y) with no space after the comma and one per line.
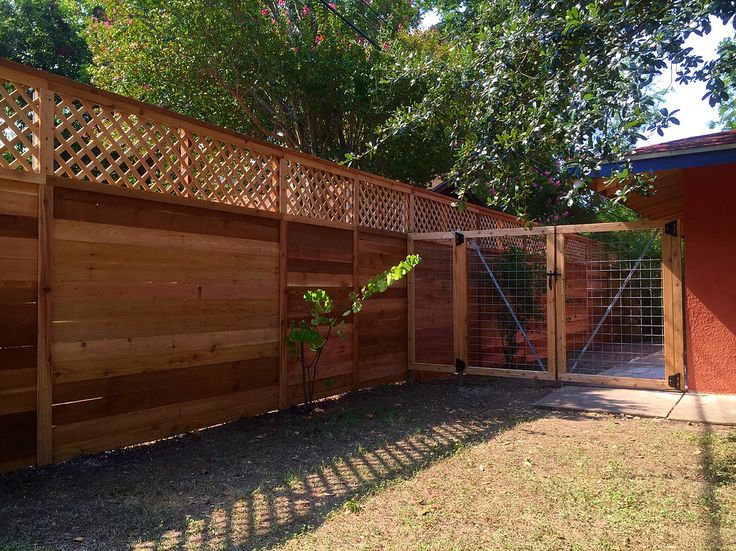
(551,276)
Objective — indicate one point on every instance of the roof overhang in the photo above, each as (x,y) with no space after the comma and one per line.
(669,162)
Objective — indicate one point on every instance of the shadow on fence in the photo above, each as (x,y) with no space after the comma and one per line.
(256,482)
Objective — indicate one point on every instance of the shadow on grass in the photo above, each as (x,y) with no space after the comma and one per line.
(256,482)
(718,470)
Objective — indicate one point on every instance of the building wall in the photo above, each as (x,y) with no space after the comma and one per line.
(710,278)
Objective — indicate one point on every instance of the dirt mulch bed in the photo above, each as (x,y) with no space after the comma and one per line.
(429,465)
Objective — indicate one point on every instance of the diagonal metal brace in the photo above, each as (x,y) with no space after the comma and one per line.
(613,302)
(508,304)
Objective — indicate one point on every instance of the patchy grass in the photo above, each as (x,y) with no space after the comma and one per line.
(426,466)
(577,482)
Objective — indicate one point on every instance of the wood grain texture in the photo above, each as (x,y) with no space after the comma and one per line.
(19,287)
(44,399)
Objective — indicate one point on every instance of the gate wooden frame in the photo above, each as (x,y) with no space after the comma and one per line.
(674,377)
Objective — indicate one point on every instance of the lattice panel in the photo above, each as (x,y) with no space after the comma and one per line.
(462,219)
(495,223)
(225,173)
(383,208)
(19,127)
(93,142)
(430,216)
(316,193)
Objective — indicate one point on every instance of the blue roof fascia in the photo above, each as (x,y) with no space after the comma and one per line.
(673,161)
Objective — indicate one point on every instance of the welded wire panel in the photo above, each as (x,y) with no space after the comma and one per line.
(433,303)
(507,303)
(613,304)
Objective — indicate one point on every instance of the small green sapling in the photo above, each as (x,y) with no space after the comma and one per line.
(313,334)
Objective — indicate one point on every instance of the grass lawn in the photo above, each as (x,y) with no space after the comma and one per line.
(425,466)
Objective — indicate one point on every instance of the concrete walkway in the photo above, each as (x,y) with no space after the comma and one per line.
(698,408)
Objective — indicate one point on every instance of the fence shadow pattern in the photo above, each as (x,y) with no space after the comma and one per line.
(258,482)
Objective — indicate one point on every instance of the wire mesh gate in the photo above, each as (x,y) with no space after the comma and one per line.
(593,303)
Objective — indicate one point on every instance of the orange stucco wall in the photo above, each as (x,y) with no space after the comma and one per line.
(710,278)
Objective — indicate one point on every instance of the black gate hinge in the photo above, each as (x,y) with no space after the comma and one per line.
(459,366)
(459,238)
(670,228)
(675,381)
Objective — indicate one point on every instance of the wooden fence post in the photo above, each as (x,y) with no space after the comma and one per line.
(411,315)
(44,383)
(460,300)
(411,292)
(674,361)
(283,282)
(355,378)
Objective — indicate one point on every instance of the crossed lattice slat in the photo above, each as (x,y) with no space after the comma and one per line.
(93,142)
(226,173)
(109,146)
(19,127)
(383,208)
(430,216)
(489,222)
(462,219)
(316,193)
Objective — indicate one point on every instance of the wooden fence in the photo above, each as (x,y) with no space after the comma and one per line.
(150,264)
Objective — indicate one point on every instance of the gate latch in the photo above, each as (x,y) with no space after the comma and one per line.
(551,277)
(674,381)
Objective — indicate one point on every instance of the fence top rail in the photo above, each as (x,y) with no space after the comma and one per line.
(543,230)
(61,85)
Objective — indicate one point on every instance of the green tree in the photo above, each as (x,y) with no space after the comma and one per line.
(541,91)
(727,109)
(45,34)
(289,71)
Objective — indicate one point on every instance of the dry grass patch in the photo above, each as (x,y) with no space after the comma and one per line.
(426,466)
(583,482)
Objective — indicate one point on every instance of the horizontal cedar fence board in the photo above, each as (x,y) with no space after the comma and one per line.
(144,425)
(320,257)
(165,319)
(136,212)
(18,322)
(95,398)
(383,316)
(18,198)
(434,312)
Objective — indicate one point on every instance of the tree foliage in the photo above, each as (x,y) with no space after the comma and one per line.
(541,91)
(727,109)
(289,71)
(45,34)
(313,334)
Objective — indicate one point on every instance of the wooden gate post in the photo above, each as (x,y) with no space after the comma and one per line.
(674,360)
(551,304)
(460,301)
(559,313)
